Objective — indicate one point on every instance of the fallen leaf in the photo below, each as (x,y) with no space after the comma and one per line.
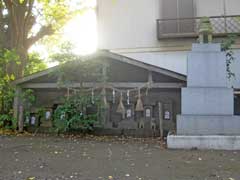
(31,178)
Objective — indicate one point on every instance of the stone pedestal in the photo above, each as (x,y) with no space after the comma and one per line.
(207,102)
(207,120)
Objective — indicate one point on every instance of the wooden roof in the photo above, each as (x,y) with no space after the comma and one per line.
(107,54)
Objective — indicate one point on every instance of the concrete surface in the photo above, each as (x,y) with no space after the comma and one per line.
(206,69)
(196,47)
(107,158)
(204,142)
(208,125)
(207,101)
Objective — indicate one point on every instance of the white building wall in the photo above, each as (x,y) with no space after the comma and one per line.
(232,7)
(177,62)
(128,27)
(216,7)
(209,7)
(127,24)
(174,61)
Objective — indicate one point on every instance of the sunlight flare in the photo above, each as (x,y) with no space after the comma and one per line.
(81,32)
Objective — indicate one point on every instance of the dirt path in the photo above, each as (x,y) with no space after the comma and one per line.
(46,158)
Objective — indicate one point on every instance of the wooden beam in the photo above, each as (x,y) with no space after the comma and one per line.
(99,85)
(35,75)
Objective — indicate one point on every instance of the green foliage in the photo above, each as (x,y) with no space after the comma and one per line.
(6,91)
(226,47)
(8,56)
(34,19)
(8,122)
(34,64)
(68,73)
(78,113)
(28,98)
(71,65)
(65,54)
(57,12)
(41,111)
(27,22)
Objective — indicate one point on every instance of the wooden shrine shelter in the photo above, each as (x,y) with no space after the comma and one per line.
(150,95)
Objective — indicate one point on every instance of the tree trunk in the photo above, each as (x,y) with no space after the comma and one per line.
(19,23)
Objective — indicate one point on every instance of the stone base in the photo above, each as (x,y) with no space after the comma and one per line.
(207,101)
(128,124)
(208,125)
(204,142)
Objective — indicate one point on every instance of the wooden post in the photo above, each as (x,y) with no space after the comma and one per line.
(18,109)
(104,94)
(20,119)
(16,103)
(104,102)
(160,111)
(150,78)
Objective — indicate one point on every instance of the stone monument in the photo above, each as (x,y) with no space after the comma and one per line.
(207,101)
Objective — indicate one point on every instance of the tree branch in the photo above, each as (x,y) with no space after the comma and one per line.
(8,3)
(1,12)
(44,31)
(26,24)
(1,25)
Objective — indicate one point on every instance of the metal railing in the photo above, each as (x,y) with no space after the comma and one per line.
(189,27)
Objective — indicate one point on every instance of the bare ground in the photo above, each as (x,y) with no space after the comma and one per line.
(105,158)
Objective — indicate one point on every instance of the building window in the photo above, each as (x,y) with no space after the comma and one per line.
(237,104)
(175,9)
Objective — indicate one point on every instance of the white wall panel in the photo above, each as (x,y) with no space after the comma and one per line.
(127,23)
(233,7)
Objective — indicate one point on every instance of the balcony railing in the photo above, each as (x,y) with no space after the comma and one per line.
(189,27)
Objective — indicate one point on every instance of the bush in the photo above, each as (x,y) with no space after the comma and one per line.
(8,122)
(77,113)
